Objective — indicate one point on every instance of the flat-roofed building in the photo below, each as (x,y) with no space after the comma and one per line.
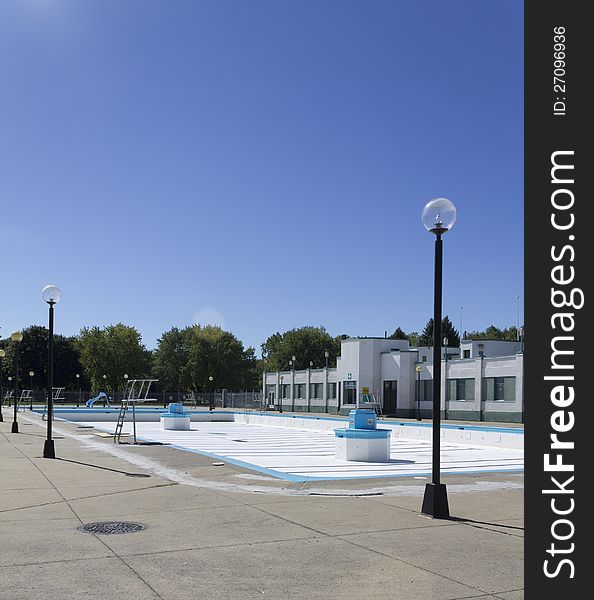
(481,380)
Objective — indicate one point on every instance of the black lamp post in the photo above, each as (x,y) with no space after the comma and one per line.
(31,374)
(445,375)
(418,369)
(210,397)
(326,356)
(280,394)
(50,294)
(292,363)
(438,217)
(17,338)
(125,387)
(78,384)
(517,318)
(2,355)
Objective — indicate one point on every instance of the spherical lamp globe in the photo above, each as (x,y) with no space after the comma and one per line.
(51,294)
(439,216)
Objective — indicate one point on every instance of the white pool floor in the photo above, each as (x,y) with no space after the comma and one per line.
(299,454)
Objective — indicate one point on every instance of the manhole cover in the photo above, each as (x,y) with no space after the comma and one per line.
(109,527)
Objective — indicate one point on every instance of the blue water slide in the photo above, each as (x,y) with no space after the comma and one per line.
(100,396)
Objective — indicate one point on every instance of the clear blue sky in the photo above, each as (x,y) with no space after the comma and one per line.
(260,164)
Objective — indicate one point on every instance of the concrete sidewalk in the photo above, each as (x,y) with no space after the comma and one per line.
(223,532)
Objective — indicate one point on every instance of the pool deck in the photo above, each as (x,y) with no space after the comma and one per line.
(225,532)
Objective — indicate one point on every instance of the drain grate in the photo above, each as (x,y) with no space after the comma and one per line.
(110,527)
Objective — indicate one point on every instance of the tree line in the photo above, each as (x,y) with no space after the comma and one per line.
(195,358)
(449,332)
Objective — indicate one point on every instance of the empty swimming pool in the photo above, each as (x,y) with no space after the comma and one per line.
(302,448)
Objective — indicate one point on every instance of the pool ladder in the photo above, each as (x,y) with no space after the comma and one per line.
(56,395)
(120,422)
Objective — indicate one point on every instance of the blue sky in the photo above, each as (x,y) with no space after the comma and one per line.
(259,164)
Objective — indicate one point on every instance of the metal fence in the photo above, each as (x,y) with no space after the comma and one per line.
(247,400)
(250,400)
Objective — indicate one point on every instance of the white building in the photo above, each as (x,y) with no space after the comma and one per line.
(482,381)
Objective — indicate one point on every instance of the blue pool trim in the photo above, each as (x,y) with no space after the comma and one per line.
(174,415)
(362,434)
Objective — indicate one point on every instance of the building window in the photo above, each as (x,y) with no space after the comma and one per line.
(423,359)
(499,389)
(284,391)
(460,390)
(424,390)
(299,391)
(332,391)
(465,389)
(315,390)
(466,354)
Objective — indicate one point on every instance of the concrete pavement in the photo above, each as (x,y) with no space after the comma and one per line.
(224,532)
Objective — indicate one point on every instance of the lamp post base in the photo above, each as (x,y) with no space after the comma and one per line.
(48,449)
(1,416)
(15,427)
(435,501)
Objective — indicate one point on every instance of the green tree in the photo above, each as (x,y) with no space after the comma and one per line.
(305,343)
(495,333)
(67,363)
(171,360)
(186,359)
(270,347)
(112,351)
(414,339)
(33,357)
(447,331)
(426,337)
(252,370)
(512,334)
(399,334)
(218,354)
